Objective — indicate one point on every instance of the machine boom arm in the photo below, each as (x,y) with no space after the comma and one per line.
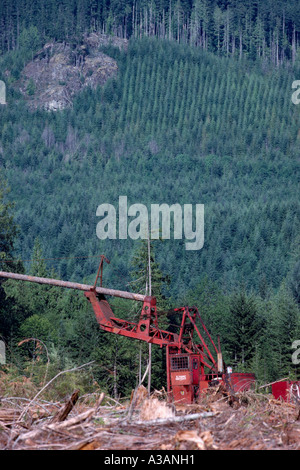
(146,329)
(73,285)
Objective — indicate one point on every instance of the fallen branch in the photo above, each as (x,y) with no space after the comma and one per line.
(3,425)
(99,401)
(175,419)
(62,414)
(72,421)
(56,426)
(52,380)
(276,381)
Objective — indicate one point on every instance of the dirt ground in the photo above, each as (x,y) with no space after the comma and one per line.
(246,422)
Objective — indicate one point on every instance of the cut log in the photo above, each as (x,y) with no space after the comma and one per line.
(175,419)
(62,414)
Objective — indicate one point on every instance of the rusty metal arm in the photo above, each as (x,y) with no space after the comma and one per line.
(73,285)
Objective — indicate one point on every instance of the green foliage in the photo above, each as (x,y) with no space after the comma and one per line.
(177,124)
(294,273)
(244,328)
(264,31)
(30,88)
(8,228)
(36,326)
(214,128)
(8,235)
(29,39)
(286,324)
(143,260)
(214,308)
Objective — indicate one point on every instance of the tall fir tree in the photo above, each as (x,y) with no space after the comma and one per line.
(8,236)
(243,329)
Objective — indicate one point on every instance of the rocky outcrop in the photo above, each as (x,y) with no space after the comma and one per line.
(60,70)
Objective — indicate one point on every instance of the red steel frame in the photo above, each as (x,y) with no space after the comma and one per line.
(182,384)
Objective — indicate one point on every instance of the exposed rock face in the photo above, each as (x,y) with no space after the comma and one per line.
(60,70)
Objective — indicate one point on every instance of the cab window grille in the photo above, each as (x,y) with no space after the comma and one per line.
(179,362)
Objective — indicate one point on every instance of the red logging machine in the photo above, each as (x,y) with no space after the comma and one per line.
(193,362)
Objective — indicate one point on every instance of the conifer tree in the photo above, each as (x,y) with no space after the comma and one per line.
(243,328)
(8,236)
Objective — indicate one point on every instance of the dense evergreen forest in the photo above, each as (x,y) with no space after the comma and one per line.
(260,29)
(200,112)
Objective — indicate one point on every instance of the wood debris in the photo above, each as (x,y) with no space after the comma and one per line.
(62,414)
(258,423)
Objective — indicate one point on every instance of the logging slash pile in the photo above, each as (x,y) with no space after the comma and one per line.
(249,421)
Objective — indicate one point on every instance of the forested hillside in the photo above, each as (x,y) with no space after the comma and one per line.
(193,116)
(262,29)
(226,136)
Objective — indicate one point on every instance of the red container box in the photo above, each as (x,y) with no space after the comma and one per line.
(287,390)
